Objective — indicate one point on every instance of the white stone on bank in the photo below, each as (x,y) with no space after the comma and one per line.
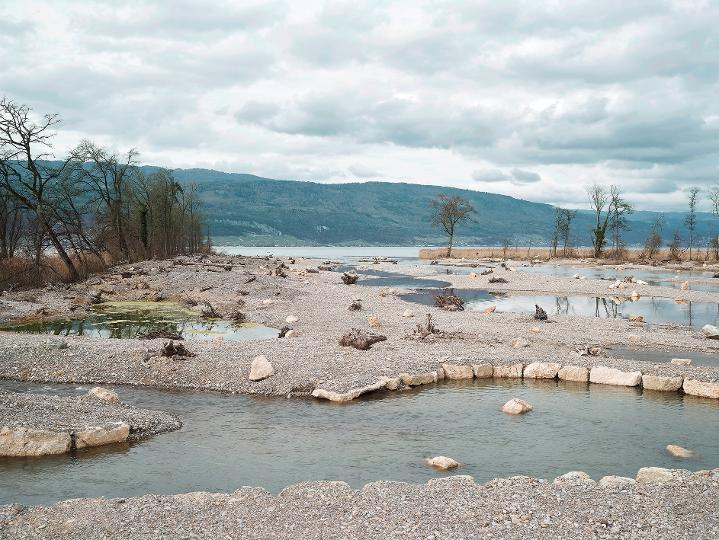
(574,373)
(443,463)
(103,394)
(261,369)
(662,383)
(616,377)
(516,406)
(541,370)
(455,372)
(679,451)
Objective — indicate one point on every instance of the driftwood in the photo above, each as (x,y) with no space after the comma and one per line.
(498,280)
(312,271)
(349,279)
(426,329)
(161,334)
(238,316)
(280,271)
(250,279)
(208,311)
(325,268)
(486,272)
(449,302)
(171,349)
(539,313)
(432,263)
(359,339)
(356,305)
(283,331)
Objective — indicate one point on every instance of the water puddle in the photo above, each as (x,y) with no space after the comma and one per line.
(130,320)
(654,310)
(229,441)
(380,278)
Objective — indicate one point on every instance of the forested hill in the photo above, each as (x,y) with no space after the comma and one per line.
(260,211)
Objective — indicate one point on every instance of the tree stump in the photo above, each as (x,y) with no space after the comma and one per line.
(539,313)
(171,349)
(449,302)
(349,279)
(360,339)
(498,280)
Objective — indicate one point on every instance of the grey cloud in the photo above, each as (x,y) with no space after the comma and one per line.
(256,111)
(362,171)
(525,177)
(490,175)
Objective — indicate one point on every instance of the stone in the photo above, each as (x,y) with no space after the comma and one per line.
(573,478)
(374,321)
(710,331)
(393,383)
(455,372)
(574,373)
(56,344)
(408,313)
(261,369)
(473,275)
(343,397)
(684,286)
(679,451)
(694,387)
(104,394)
(541,370)
(22,441)
(291,319)
(638,282)
(636,318)
(513,371)
(490,309)
(681,361)
(635,296)
(659,474)
(443,463)
(417,379)
(292,333)
(534,329)
(516,406)
(519,342)
(607,375)
(616,481)
(483,371)
(98,436)
(662,383)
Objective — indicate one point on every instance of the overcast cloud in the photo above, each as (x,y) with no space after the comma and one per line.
(527,98)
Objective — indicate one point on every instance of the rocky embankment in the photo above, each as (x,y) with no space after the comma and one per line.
(657,504)
(35,425)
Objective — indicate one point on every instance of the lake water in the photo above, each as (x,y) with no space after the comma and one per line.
(231,440)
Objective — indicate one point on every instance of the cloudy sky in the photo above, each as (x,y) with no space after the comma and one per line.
(528,98)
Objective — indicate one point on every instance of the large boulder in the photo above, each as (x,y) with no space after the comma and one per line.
(675,450)
(98,436)
(483,371)
(710,331)
(659,475)
(607,375)
(541,370)
(22,441)
(261,369)
(104,394)
(616,482)
(417,379)
(694,387)
(516,406)
(512,371)
(573,373)
(574,478)
(453,371)
(662,383)
(443,463)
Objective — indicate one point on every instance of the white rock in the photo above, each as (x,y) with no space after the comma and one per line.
(519,342)
(607,375)
(490,309)
(541,370)
(513,371)
(483,371)
(694,387)
(573,478)
(574,373)
(679,451)
(343,397)
(635,296)
(261,369)
(417,379)
(710,331)
(638,282)
(681,361)
(98,436)
(408,313)
(636,318)
(473,275)
(292,334)
(616,481)
(684,286)
(443,463)
(662,383)
(516,406)
(291,319)
(373,321)
(104,394)
(21,441)
(453,371)
(659,474)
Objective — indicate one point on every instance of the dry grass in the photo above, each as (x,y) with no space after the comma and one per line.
(630,255)
(20,272)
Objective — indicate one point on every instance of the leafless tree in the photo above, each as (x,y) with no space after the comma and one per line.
(598,199)
(618,211)
(448,213)
(691,220)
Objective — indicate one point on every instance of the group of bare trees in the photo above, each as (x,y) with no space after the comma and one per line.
(93,205)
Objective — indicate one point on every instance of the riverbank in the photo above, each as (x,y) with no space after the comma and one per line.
(660,503)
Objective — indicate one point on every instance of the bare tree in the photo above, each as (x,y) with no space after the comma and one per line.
(618,211)
(691,220)
(654,240)
(598,199)
(448,213)
(24,172)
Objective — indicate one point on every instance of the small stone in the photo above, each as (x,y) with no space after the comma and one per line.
(261,369)
(443,463)
(56,344)
(417,379)
(292,333)
(679,451)
(483,371)
(635,296)
(519,342)
(291,319)
(616,481)
(374,321)
(534,329)
(455,372)
(710,331)
(516,406)
(684,286)
(408,313)
(473,275)
(659,474)
(574,373)
(636,318)
(490,309)
(681,361)
(573,478)
(104,394)
(541,370)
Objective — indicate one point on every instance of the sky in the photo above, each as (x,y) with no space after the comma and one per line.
(533,99)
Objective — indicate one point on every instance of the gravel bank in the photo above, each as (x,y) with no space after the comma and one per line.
(74,414)
(684,506)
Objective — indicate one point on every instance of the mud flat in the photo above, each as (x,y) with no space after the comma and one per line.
(659,503)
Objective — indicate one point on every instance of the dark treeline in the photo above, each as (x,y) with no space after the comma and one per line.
(94,208)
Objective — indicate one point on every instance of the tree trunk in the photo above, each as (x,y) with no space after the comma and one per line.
(74,276)
(449,246)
